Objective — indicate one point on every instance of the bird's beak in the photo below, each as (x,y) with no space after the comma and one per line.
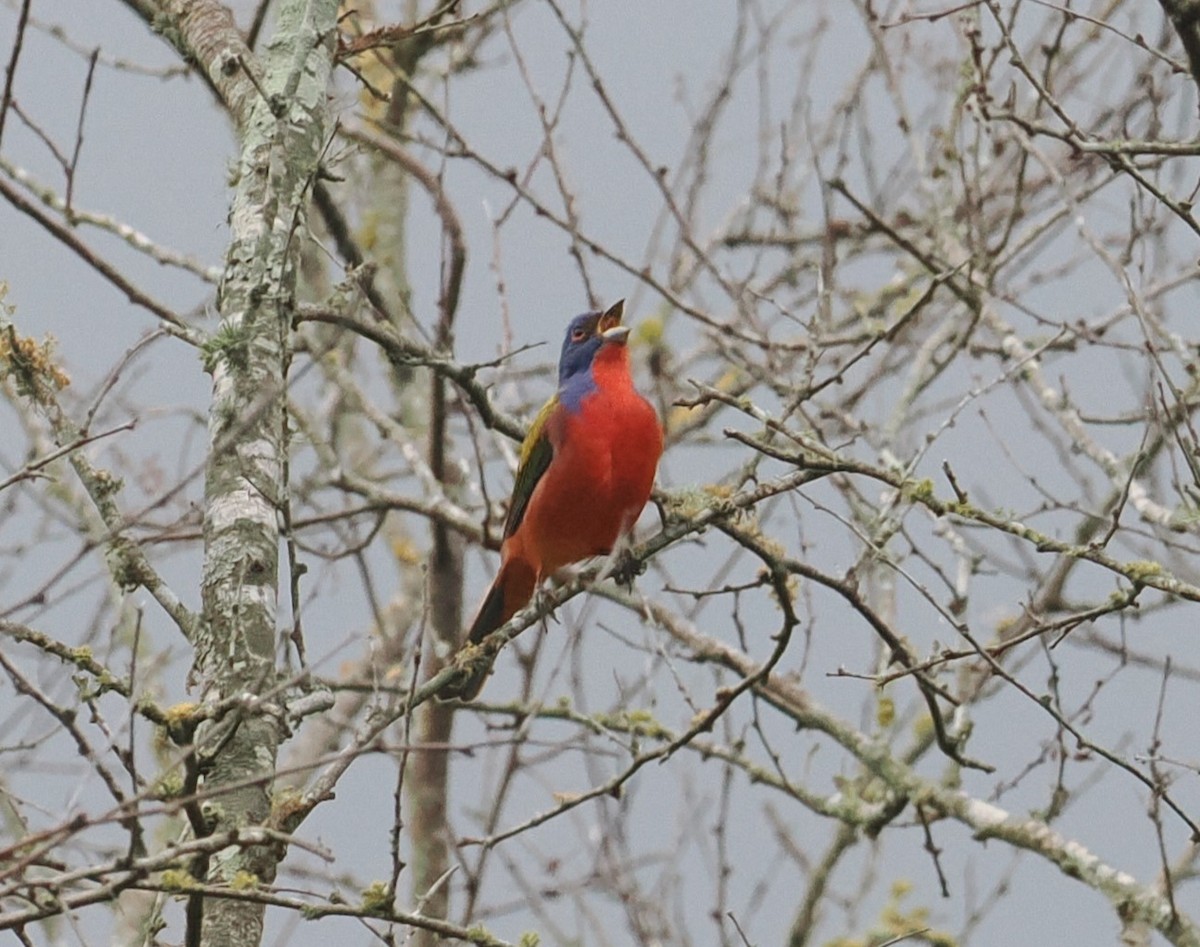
(609,327)
(617,334)
(611,317)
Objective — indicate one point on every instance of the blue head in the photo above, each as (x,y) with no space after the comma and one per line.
(580,346)
(586,335)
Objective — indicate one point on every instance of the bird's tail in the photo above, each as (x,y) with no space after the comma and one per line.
(509,593)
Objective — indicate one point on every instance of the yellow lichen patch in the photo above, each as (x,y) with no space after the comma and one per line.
(920,491)
(923,727)
(168,785)
(176,879)
(688,502)
(1141,569)
(181,713)
(375,897)
(30,365)
(649,332)
(181,721)
(406,552)
(885,712)
(244,881)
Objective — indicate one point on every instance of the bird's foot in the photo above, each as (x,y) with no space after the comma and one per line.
(543,601)
(473,666)
(623,566)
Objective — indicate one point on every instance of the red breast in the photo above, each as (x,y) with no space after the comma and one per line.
(605,457)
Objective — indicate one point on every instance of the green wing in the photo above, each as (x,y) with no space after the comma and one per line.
(536,454)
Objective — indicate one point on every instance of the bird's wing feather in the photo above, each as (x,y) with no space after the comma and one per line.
(536,454)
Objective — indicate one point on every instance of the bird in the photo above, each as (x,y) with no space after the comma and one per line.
(585,472)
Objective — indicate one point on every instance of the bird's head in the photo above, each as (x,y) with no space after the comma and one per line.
(587,335)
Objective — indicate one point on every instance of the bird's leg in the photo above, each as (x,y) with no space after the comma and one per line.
(543,603)
(621,565)
(664,517)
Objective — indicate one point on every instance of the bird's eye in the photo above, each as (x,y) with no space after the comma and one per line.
(578,335)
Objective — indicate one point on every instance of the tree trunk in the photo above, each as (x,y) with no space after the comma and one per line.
(281,145)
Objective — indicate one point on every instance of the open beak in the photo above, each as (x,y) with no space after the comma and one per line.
(609,327)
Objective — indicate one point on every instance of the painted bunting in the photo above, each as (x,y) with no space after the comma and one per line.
(585,473)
